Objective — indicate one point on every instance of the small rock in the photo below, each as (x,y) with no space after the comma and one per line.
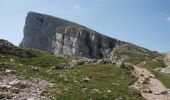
(166,70)
(5,86)
(75,81)
(12,60)
(119,99)
(152,76)
(109,91)
(66,80)
(21,85)
(120,64)
(147,91)
(96,90)
(10,71)
(35,68)
(3,95)
(14,82)
(60,66)
(31,99)
(15,90)
(115,84)
(86,79)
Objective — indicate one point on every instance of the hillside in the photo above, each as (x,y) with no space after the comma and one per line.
(62,60)
(85,79)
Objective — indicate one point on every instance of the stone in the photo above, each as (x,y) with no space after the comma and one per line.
(109,91)
(4,96)
(5,87)
(15,90)
(147,91)
(86,79)
(61,66)
(31,99)
(12,60)
(166,70)
(10,71)
(35,68)
(119,99)
(62,37)
(14,82)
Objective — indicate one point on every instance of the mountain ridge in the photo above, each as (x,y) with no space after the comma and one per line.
(60,36)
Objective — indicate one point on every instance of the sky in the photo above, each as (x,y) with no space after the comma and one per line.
(142,22)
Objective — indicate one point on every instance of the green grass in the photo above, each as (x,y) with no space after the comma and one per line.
(135,55)
(107,82)
(103,78)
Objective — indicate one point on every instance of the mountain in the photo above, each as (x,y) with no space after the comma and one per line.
(62,37)
(94,66)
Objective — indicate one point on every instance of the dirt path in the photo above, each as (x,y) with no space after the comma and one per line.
(150,87)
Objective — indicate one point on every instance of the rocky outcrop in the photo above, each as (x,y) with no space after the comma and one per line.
(61,37)
(167,61)
(14,87)
(8,48)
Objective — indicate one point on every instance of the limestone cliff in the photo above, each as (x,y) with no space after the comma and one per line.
(62,37)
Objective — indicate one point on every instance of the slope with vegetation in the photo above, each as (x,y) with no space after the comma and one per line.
(87,81)
(99,79)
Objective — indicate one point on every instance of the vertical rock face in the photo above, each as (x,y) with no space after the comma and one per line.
(62,37)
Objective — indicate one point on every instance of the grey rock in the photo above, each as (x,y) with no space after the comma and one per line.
(13,87)
(62,37)
(86,79)
(31,99)
(35,68)
(5,87)
(5,95)
(10,71)
(61,66)
(166,70)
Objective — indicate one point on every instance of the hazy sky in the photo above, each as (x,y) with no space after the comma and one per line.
(142,22)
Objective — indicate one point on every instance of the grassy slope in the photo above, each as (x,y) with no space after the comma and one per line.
(136,56)
(106,81)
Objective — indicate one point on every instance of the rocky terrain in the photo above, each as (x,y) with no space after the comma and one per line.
(59,36)
(13,87)
(77,63)
(37,75)
(42,76)
(150,87)
(167,61)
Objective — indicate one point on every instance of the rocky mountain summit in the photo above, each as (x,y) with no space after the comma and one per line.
(62,37)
